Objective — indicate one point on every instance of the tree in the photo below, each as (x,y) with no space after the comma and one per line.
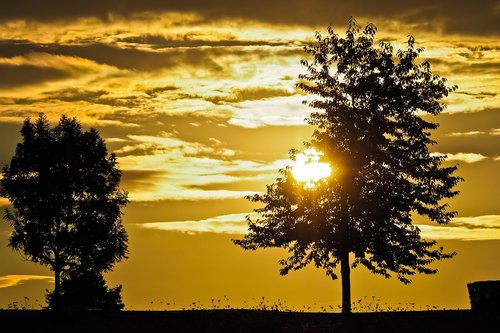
(66,212)
(87,291)
(368,126)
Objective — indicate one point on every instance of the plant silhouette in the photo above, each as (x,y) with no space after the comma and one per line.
(87,291)
(66,213)
(368,126)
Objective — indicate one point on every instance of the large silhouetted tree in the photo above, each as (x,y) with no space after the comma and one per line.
(369,127)
(66,214)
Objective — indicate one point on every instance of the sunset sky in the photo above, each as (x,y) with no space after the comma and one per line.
(197,99)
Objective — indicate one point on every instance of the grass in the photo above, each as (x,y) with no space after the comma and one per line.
(365,304)
(248,321)
(258,315)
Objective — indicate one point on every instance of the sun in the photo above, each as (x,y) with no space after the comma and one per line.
(308,169)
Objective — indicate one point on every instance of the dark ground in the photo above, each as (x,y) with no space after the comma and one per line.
(247,321)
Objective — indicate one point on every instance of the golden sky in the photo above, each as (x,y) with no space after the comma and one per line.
(197,99)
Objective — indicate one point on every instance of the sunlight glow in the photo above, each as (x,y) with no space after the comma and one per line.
(308,169)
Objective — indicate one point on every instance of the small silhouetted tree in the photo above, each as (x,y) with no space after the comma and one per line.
(87,291)
(369,127)
(63,186)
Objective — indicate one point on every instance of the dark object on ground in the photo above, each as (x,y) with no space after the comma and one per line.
(41,321)
(485,296)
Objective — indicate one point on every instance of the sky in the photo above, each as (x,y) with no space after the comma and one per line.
(198,101)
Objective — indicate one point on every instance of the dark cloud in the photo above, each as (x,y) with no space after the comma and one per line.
(140,179)
(161,42)
(125,58)
(473,17)
(471,225)
(143,60)
(77,95)
(14,76)
(93,97)
(465,66)
(144,149)
(478,95)
(160,90)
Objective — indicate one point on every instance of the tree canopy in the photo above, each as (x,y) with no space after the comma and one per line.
(369,103)
(63,186)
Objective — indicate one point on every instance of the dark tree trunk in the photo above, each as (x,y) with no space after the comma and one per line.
(57,268)
(345,271)
(57,282)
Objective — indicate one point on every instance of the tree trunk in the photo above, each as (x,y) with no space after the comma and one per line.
(57,282)
(57,269)
(345,271)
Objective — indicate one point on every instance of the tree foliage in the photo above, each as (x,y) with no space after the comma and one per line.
(66,214)
(369,106)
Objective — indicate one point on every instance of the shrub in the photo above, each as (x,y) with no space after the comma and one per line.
(485,296)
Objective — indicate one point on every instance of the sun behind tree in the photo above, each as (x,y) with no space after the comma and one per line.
(370,103)
(307,167)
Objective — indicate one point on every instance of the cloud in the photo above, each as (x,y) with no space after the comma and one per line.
(7,281)
(249,93)
(470,133)
(284,111)
(35,68)
(223,224)
(459,233)
(16,76)
(70,64)
(192,40)
(448,15)
(464,157)
(135,81)
(120,57)
(171,168)
(473,222)
(486,227)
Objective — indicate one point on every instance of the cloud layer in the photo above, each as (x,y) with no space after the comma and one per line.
(450,16)
(486,227)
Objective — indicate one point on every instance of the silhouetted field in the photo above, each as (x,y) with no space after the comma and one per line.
(247,321)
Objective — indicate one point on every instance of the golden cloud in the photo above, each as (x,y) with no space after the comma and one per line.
(224,224)
(7,281)
(486,227)
(470,133)
(182,168)
(464,157)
